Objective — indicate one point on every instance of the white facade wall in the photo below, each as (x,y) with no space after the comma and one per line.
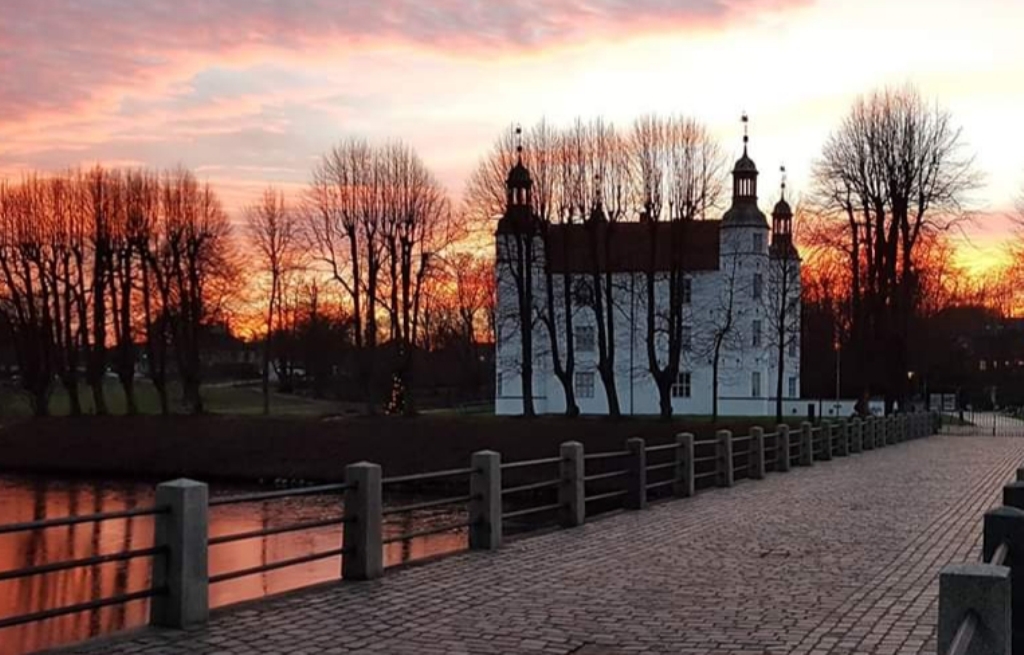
(637,392)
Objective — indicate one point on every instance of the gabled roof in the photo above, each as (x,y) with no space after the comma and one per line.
(631,247)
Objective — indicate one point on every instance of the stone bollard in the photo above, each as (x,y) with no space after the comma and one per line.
(571,491)
(636,478)
(757,470)
(363,540)
(485,532)
(867,433)
(890,430)
(184,531)
(1006,525)
(1013,495)
(856,435)
(827,440)
(806,444)
(723,453)
(683,479)
(981,589)
(842,438)
(904,428)
(782,448)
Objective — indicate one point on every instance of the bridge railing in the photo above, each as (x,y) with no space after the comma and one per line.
(583,484)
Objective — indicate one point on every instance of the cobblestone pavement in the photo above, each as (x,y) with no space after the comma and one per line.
(840,558)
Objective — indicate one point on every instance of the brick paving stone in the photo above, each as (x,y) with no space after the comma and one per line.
(838,559)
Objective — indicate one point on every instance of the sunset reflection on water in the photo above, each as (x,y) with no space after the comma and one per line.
(29,499)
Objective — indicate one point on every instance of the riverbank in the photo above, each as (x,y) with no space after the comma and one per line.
(247,448)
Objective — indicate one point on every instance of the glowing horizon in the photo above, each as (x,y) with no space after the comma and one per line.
(249,93)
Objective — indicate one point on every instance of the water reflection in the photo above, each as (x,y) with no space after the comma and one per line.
(28,499)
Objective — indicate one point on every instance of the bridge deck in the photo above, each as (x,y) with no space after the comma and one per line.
(839,558)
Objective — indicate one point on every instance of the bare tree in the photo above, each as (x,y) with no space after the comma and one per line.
(894,170)
(273,233)
(678,168)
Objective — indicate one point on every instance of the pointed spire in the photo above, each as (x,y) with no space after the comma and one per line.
(746,132)
(519,143)
(782,169)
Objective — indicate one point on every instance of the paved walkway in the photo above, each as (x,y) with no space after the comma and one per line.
(840,558)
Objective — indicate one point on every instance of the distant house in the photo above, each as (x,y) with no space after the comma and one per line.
(732,255)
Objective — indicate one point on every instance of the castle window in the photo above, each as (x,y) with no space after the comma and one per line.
(757,242)
(681,388)
(758,286)
(686,338)
(793,348)
(584,337)
(755,384)
(756,341)
(792,387)
(585,385)
(497,385)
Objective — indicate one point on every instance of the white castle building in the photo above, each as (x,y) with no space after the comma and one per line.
(734,285)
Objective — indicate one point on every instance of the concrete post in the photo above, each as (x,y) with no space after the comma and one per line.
(868,433)
(806,444)
(1020,474)
(842,438)
(485,533)
(782,448)
(904,428)
(683,477)
(856,435)
(756,470)
(890,430)
(571,492)
(184,531)
(636,478)
(1006,525)
(981,589)
(724,454)
(828,434)
(364,556)
(1013,495)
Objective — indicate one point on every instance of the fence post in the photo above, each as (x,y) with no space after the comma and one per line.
(828,433)
(856,435)
(806,444)
(571,491)
(1013,495)
(724,463)
(636,478)
(184,531)
(843,438)
(364,554)
(904,428)
(1006,524)
(782,448)
(756,464)
(981,589)
(485,533)
(683,477)
(890,430)
(1020,474)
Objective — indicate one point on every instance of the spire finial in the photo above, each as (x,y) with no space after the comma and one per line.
(782,169)
(519,143)
(746,133)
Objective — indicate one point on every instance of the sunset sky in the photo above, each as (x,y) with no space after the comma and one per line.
(249,92)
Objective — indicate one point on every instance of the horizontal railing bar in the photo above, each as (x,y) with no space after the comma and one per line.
(964,635)
(279,493)
(532,510)
(530,462)
(428,504)
(701,460)
(604,476)
(771,435)
(531,487)
(663,447)
(273,566)
(267,532)
(84,518)
(709,474)
(741,439)
(605,496)
(80,563)
(429,531)
(610,455)
(433,475)
(661,467)
(42,615)
(740,468)
(705,442)
(657,485)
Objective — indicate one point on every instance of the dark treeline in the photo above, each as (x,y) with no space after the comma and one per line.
(103,268)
